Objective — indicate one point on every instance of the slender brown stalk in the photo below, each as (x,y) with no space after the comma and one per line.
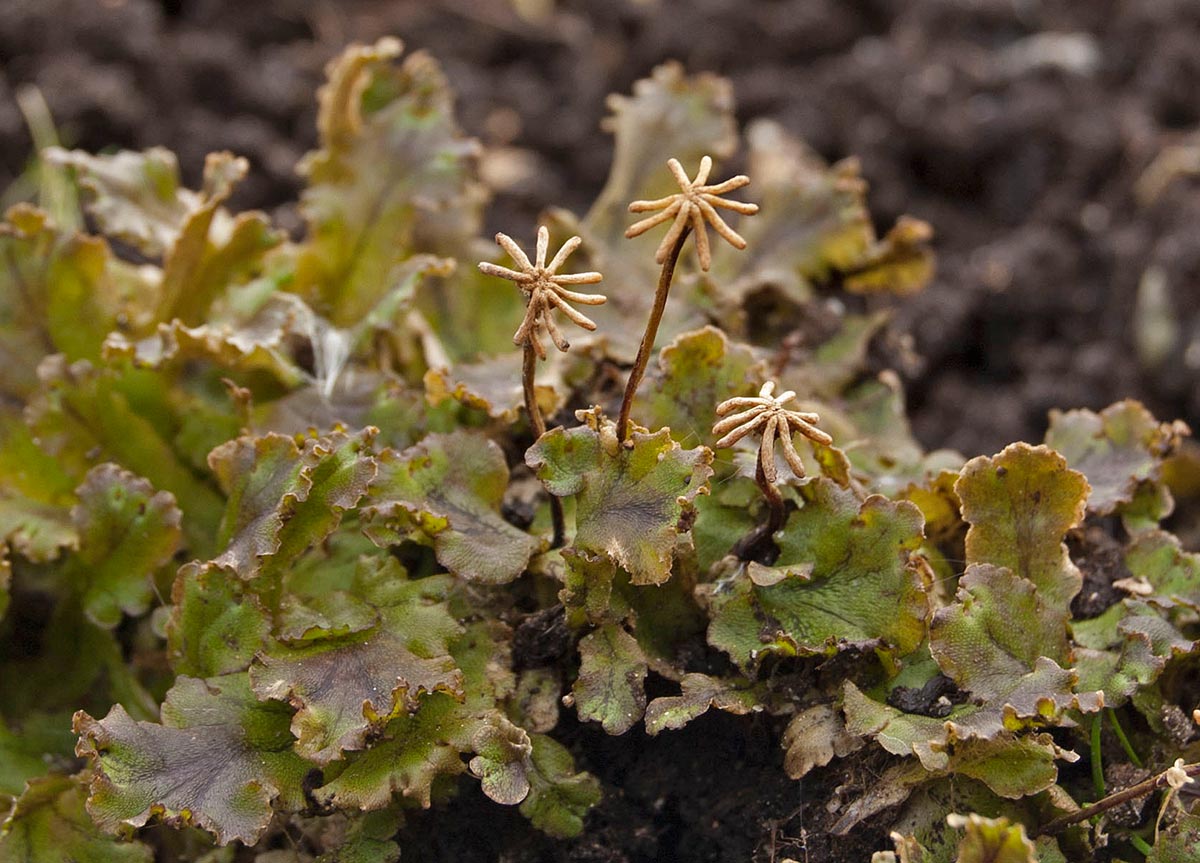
(1058,825)
(545,290)
(749,547)
(647,346)
(538,423)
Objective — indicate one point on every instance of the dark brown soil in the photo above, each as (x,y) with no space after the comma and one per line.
(1018,128)
(710,793)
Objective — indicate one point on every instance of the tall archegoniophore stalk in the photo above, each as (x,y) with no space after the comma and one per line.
(647,346)
(690,209)
(545,291)
(537,424)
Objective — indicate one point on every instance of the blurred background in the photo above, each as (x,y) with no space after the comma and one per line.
(1054,146)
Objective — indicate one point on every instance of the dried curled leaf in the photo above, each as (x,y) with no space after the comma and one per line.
(252,340)
(446,492)
(813,738)
(394,176)
(632,501)
(908,849)
(612,670)
(1116,449)
(219,759)
(1019,504)
(127,532)
(137,198)
(901,263)
(214,251)
(844,573)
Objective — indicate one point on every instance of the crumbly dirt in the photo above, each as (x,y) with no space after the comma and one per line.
(1035,135)
(1101,560)
(713,792)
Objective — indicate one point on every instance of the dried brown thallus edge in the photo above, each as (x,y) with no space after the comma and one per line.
(766,414)
(545,291)
(689,210)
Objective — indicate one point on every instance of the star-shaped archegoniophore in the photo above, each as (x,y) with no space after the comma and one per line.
(768,413)
(694,204)
(544,291)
